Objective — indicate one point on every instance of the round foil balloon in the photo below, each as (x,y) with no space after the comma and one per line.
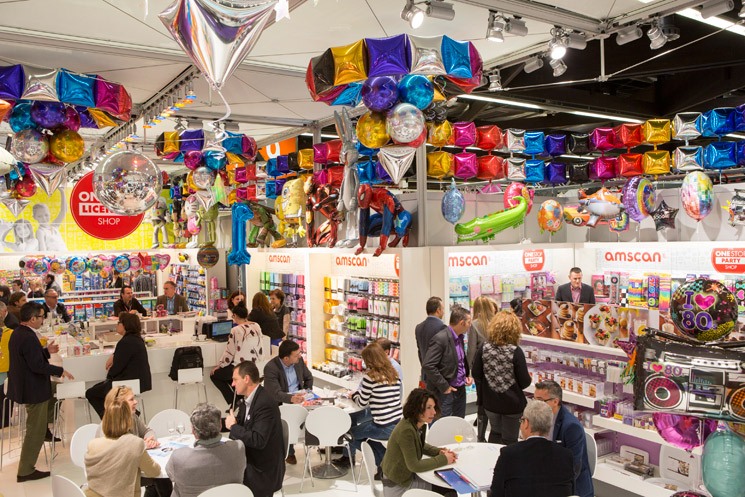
(639,198)
(516,189)
(208,257)
(127,183)
(72,119)
(48,115)
(121,263)
(380,93)
(683,431)
(203,178)
(29,146)
(26,187)
(620,223)
(76,265)
(135,262)
(704,309)
(696,195)
(550,216)
(371,130)
(39,266)
(193,159)
(404,123)
(67,145)
(416,90)
(20,117)
(722,465)
(57,266)
(96,265)
(453,204)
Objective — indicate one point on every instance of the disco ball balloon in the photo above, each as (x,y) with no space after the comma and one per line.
(29,146)
(127,183)
(404,123)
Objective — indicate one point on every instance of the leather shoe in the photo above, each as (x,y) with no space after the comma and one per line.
(36,475)
(291,459)
(48,437)
(342,462)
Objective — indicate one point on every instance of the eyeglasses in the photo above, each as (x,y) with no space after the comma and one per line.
(544,400)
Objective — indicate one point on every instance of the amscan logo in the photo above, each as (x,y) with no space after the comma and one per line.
(284,259)
(467,261)
(351,261)
(633,257)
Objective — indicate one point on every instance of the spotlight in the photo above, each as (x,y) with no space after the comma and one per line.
(629,34)
(556,47)
(656,37)
(575,41)
(495,28)
(516,27)
(716,7)
(533,64)
(440,10)
(558,66)
(412,14)
(495,82)
(669,29)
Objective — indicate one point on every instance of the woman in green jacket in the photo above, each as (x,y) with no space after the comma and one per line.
(406,446)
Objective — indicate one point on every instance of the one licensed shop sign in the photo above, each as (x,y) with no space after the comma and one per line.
(94,218)
(728,260)
(533,260)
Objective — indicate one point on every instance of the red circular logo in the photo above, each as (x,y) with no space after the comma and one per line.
(94,218)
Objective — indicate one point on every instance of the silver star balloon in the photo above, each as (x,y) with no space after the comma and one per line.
(14,205)
(41,84)
(664,216)
(396,161)
(49,176)
(216,34)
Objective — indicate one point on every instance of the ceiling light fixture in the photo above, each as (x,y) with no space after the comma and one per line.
(495,82)
(495,28)
(533,64)
(656,37)
(438,9)
(575,41)
(717,22)
(412,14)
(716,7)
(558,66)
(669,29)
(557,49)
(629,34)
(516,27)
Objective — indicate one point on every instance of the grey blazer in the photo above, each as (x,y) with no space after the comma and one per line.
(275,379)
(196,469)
(441,362)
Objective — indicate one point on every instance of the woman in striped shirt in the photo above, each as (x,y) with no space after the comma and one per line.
(380,390)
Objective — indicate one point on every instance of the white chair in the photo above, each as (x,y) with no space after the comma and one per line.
(369,462)
(135,386)
(229,490)
(73,391)
(328,424)
(444,430)
(63,487)
(159,423)
(79,443)
(420,492)
(19,420)
(592,452)
(295,416)
(191,376)
(286,439)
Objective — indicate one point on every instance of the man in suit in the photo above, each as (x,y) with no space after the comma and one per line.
(536,466)
(170,300)
(575,291)
(128,303)
(568,432)
(446,367)
(258,425)
(428,328)
(53,307)
(286,377)
(29,384)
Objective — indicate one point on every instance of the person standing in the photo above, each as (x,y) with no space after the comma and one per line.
(258,425)
(286,378)
(277,301)
(483,311)
(5,334)
(53,307)
(446,366)
(29,384)
(262,313)
(51,282)
(567,432)
(17,300)
(172,302)
(428,328)
(128,303)
(575,291)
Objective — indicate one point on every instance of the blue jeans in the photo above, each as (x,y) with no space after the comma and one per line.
(454,403)
(369,429)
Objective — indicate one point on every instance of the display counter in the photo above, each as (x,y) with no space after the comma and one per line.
(150,325)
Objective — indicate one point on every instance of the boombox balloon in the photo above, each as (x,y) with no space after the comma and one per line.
(688,378)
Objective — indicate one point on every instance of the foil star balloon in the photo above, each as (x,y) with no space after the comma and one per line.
(664,216)
(215,34)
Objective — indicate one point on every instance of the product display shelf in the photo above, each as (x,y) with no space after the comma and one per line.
(191,282)
(293,286)
(616,477)
(573,345)
(345,382)
(373,311)
(619,427)
(572,398)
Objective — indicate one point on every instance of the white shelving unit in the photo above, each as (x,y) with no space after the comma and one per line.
(619,427)
(619,478)
(333,380)
(572,398)
(573,345)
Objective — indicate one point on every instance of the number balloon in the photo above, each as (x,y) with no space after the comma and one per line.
(240,214)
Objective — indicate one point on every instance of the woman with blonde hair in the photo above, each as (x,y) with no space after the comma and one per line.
(501,374)
(380,390)
(484,309)
(113,463)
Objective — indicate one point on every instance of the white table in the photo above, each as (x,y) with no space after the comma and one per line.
(476,461)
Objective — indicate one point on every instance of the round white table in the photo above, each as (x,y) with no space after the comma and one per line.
(162,454)
(476,462)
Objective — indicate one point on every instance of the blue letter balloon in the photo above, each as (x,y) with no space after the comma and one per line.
(241,214)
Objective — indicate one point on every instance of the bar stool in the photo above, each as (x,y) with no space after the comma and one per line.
(135,386)
(67,391)
(190,376)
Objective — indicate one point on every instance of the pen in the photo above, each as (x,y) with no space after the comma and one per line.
(463,477)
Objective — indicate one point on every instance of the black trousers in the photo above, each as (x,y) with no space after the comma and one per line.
(223,379)
(96,395)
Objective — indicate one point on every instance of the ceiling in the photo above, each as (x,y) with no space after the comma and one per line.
(126,42)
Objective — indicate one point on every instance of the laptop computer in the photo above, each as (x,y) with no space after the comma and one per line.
(219,331)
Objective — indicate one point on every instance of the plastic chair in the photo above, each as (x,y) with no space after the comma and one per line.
(159,423)
(228,490)
(369,462)
(63,487)
(592,452)
(67,391)
(443,431)
(135,386)
(19,419)
(295,416)
(328,424)
(286,438)
(191,376)
(420,492)
(79,444)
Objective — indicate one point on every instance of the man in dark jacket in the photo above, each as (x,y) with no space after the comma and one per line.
(29,384)
(258,425)
(575,291)
(53,307)
(427,329)
(171,301)
(446,367)
(286,377)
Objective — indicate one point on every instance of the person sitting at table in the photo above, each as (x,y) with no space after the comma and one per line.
(128,362)
(236,298)
(258,425)
(380,390)
(244,344)
(277,301)
(35,289)
(287,378)
(501,374)
(516,473)
(128,303)
(113,462)
(406,446)
(262,313)
(16,301)
(170,300)
(211,462)
(53,307)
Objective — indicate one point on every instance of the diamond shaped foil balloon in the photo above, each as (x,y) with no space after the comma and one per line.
(127,183)
(48,176)
(687,126)
(426,55)
(396,161)
(216,34)
(14,205)
(688,159)
(41,84)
